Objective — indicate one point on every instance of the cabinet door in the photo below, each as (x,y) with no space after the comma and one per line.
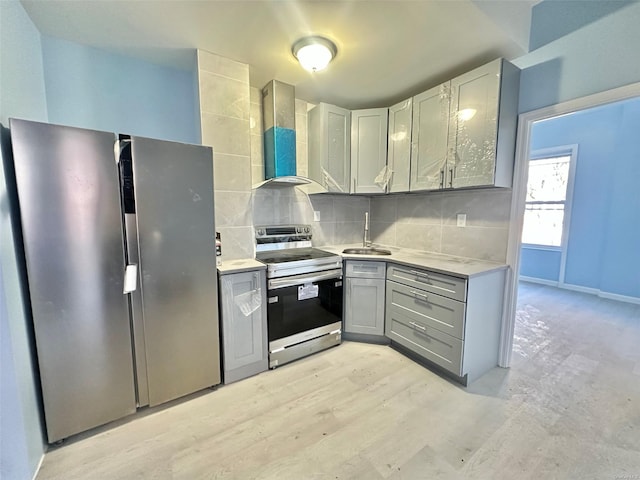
(474,126)
(244,339)
(364,306)
(399,145)
(329,152)
(429,138)
(368,149)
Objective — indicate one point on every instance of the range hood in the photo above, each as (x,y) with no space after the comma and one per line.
(279,119)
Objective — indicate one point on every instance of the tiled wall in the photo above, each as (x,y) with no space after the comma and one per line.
(225,118)
(341,218)
(428,222)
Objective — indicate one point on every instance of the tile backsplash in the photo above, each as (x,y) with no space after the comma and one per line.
(429,222)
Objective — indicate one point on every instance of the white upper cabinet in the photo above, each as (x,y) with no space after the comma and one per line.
(399,146)
(330,147)
(429,138)
(460,134)
(369,150)
(483,125)
(464,130)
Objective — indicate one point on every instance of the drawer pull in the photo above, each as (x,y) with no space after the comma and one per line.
(420,296)
(419,327)
(420,274)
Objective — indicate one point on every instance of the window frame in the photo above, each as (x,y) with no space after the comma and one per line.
(559,151)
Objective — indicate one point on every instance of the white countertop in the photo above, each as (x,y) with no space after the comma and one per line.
(448,264)
(240,265)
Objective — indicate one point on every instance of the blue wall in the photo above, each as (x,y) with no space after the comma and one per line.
(22,94)
(92,88)
(604,237)
(599,56)
(553,19)
(542,264)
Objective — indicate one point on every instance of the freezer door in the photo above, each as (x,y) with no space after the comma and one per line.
(173,186)
(69,196)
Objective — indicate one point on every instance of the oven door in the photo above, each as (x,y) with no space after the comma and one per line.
(303,307)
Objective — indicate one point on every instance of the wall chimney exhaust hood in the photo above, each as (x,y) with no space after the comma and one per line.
(279,118)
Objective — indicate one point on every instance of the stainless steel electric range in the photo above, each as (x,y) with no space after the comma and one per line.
(304,287)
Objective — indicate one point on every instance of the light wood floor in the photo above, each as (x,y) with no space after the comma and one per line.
(569,408)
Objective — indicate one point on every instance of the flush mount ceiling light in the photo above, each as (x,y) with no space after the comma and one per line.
(314,53)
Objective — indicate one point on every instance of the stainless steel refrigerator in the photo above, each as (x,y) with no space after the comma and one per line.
(96,207)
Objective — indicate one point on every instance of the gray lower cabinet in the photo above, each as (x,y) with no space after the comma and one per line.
(364,298)
(243,309)
(452,322)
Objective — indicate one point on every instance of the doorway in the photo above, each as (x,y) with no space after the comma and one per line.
(526,142)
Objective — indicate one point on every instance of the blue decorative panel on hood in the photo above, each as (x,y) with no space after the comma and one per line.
(279,152)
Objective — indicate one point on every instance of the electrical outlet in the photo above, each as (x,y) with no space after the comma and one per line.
(316,215)
(461,220)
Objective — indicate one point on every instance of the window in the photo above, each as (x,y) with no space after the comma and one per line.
(546,200)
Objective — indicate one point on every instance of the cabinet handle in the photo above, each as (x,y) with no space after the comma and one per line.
(420,296)
(364,268)
(442,178)
(419,327)
(255,282)
(354,185)
(451,178)
(420,274)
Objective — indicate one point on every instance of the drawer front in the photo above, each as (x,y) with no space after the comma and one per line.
(427,309)
(445,285)
(431,344)
(364,269)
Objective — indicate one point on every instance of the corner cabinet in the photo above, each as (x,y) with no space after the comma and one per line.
(464,130)
(329,147)
(399,146)
(243,309)
(364,299)
(369,150)
(451,322)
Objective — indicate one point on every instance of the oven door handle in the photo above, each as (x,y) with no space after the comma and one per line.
(302,279)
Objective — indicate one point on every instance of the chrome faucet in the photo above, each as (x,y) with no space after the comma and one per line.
(366,239)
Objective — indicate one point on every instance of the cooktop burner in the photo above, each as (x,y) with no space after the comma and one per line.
(292,255)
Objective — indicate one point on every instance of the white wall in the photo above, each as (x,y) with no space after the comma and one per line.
(22,94)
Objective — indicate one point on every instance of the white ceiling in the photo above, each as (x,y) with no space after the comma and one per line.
(387,50)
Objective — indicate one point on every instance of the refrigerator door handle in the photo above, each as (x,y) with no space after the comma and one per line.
(130,278)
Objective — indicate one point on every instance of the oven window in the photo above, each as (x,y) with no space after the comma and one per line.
(288,315)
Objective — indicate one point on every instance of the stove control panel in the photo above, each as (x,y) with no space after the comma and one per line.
(282,233)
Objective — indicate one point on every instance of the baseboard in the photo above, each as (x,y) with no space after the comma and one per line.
(581,289)
(541,281)
(619,298)
(38,467)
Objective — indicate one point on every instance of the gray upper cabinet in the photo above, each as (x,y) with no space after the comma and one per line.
(483,126)
(429,138)
(368,149)
(329,145)
(399,146)
(244,324)
(464,130)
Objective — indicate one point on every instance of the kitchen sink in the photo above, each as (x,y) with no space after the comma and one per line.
(366,251)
